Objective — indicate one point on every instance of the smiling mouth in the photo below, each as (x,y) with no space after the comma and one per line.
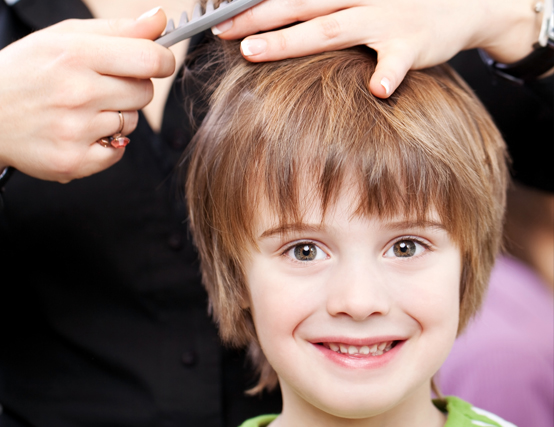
(364,350)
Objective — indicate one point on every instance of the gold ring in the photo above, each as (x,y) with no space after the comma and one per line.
(117,140)
(121,123)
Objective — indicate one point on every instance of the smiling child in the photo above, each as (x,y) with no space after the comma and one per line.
(346,240)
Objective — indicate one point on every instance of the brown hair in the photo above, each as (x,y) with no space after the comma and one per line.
(270,126)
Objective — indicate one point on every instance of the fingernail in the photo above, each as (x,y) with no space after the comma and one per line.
(149,14)
(253,46)
(221,28)
(386,84)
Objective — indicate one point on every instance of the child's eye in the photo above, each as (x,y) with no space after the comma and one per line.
(406,248)
(306,252)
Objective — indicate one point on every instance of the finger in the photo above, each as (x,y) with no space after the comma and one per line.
(108,123)
(126,57)
(99,158)
(121,93)
(149,26)
(72,163)
(275,14)
(336,31)
(392,67)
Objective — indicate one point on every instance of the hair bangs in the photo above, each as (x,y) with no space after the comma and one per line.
(300,144)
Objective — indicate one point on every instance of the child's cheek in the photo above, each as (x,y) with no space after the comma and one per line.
(280,302)
(431,297)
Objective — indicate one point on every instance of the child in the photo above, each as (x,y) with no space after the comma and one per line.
(346,240)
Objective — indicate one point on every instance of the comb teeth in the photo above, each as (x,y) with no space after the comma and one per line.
(169,27)
(201,21)
(184,19)
(197,12)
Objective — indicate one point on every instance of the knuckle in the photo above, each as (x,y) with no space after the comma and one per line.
(73,95)
(282,41)
(249,16)
(67,130)
(329,27)
(68,25)
(69,88)
(113,25)
(297,6)
(67,59)
(151,62)
(60,53)
(299,10)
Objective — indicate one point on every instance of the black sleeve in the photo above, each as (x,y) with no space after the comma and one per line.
(524,115)
(11,30)
(11,27)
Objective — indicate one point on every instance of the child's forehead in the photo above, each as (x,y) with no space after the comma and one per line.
(311,215)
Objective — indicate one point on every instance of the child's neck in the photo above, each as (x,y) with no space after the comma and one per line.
(416,411)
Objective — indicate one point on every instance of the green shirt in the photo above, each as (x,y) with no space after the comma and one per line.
(460,414)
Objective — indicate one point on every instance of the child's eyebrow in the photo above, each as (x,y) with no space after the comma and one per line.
(284,229)
(401,225)
(290,228)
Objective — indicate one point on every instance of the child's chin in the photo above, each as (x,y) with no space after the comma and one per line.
(354,413)
(349,407)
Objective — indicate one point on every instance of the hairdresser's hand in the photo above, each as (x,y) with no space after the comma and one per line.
(61,88)
(406,34)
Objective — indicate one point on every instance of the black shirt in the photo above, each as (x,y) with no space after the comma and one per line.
(523,113)
(102,314)
(103,318)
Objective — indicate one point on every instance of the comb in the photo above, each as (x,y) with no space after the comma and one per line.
(200,22)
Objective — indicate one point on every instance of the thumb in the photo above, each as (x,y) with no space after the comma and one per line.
(391,69)
(150,25)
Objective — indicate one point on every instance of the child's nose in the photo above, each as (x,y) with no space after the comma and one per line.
(358,292)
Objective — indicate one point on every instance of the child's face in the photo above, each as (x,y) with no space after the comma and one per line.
(355,314)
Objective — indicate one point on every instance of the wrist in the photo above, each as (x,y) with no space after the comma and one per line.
(539,62)
(518,29)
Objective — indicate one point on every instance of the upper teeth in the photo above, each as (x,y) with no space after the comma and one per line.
(374,350)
